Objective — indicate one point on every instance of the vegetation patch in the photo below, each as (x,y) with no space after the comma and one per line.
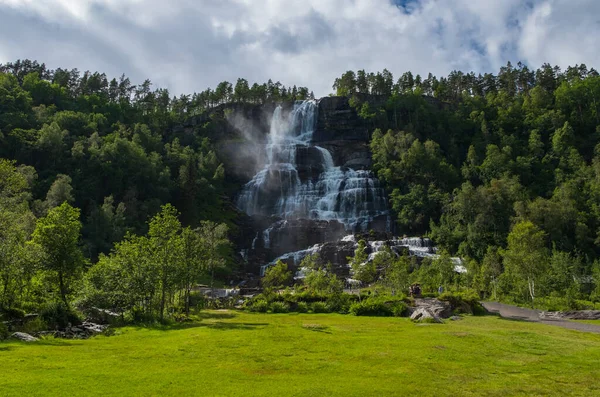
(223,353)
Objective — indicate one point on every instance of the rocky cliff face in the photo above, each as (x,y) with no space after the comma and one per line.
(307,179)
(343,132)
(305,185)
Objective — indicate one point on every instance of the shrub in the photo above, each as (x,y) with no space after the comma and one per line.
(12,314)
(34,326)
(319,307)
(399,309)
(302,307)
(463,302)
(371,307)
(4,333)
(57,315)
(259,306)
(138,315)
(341,303)
(280,307)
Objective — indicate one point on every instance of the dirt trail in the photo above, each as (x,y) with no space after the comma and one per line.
(519,313)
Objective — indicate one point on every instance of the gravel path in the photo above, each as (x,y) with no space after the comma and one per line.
(519,313)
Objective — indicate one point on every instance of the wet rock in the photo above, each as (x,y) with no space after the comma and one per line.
(22,336)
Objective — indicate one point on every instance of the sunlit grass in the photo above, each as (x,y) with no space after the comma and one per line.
(231,353)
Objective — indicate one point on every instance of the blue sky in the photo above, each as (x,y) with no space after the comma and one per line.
(189,45)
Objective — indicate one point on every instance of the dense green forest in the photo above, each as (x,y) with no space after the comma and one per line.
(86,163)
(503,170)
(103,203)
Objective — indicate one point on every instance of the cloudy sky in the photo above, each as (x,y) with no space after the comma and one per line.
(189,45)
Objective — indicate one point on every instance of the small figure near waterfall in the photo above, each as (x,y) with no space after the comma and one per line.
(415,290)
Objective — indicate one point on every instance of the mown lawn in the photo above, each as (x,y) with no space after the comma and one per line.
(231,353)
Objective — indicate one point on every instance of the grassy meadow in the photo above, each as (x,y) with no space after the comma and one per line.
(234,353)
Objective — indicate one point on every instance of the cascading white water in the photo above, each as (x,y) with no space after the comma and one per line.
(353,198)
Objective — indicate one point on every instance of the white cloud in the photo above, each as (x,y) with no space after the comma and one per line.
(188,45)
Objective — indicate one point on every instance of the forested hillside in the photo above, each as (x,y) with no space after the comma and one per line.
(503,169)
(86,162)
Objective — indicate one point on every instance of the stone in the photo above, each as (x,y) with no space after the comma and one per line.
(101,316)
(94,328)
(22,336)
(424,315)
(436,307)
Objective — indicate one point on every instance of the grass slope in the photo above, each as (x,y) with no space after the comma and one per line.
(230,353)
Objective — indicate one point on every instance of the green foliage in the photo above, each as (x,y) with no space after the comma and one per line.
(144,274)
(364,270)
(302,307)
(259,306)
(319,280)
(463,302)
(279,307)
(320,307)
(4,332)
(277,276)
(379,306)
(39,325)
(57,315)
(526,255)
(58,236)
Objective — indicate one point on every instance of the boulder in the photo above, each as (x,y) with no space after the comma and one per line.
(424,315)
(101,316)
(436,307)
(93,328)
(22,336)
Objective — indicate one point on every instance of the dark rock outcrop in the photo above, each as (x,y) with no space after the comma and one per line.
(294,235)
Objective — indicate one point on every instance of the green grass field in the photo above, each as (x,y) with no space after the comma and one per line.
(231,353)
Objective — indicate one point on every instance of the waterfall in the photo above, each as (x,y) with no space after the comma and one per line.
(352,197)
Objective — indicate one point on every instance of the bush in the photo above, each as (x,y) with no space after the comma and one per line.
(12,314)
(371,307)
(138,315)
(259,306)
(341,303)
(463,302)
(380,306)
(399,309)
(58,316)
(302,307)
(320,307)
(280,307)
(4,332)
(34,326)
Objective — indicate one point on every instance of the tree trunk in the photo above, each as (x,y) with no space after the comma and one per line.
(162,300)
(63,291)
(531,285)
